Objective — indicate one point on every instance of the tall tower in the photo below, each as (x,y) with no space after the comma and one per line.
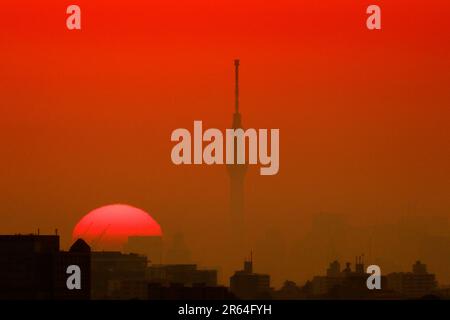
(237,174)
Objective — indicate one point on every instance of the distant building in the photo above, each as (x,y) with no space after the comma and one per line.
(163,282)
(178,252)
(33,267)
(334,270)
(79,254)
(127,276)
(290,291)
(237,174)
(149,246)
(184,274)
(109,267)
(181,292)
(246,284)
(415,284)
(322,285)
(347,283)
(127,289)
(442,293)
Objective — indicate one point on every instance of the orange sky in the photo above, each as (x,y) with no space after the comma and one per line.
(86,116)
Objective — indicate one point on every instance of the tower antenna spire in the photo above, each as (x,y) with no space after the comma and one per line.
(237,177)
(236,90)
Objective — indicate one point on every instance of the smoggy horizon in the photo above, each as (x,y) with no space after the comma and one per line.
(363,118)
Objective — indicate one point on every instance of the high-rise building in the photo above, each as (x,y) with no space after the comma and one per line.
(79,254)
(246,284)
(33,267)
(345,283)
(184,281)
(157,291)
(237,173)
(413,284)
(178,251)
(110,267)
(185,274)
(149,246)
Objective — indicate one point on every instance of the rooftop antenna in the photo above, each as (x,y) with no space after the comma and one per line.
(237,116)
(236,89)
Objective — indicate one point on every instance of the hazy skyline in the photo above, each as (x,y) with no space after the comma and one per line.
(86,117)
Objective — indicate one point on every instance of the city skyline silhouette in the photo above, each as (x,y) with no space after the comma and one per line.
(34,267)
(86,119)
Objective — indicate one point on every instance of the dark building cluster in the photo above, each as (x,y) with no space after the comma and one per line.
(34,267)
(249,285)
(352,284)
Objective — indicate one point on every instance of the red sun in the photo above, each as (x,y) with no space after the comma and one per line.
(108,227)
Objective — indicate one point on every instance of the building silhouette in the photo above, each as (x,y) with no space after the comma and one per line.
(184,274)
(110,268)
(237,174)
(33,267)
(291,291)
(79,254)
(246,284)
(415,284)
(178,252)
(149,246)
(127,289)
(348,283)
(322,285)
(125,277)
(157,291)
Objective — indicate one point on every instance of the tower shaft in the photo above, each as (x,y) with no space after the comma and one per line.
(237,173)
